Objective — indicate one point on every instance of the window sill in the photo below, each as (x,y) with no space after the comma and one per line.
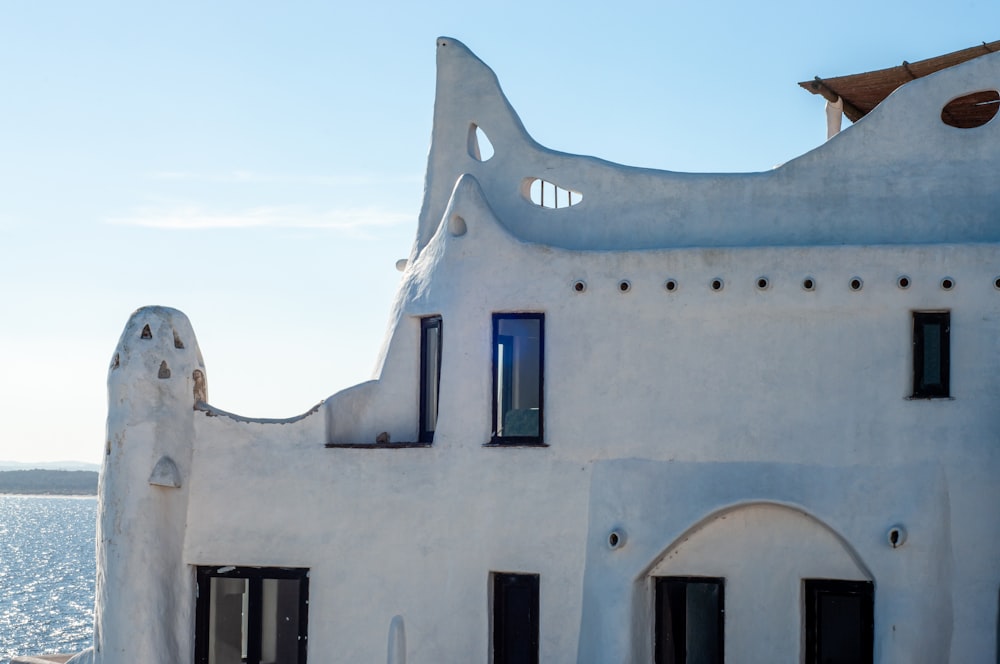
(929,397)
(375,446)
(514,442)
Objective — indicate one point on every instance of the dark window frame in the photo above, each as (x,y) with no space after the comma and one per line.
(426,435)
(664,653)
(518,441)
(921,321)
(256,577)
(814,590)
(501,583)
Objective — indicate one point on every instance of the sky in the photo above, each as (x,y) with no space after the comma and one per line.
(259,165)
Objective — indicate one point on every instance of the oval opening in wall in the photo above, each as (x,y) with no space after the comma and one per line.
(857,284)
(624,285)
(549,194)
(717,284)
(947,283)
(763,283)
(971,110)
(808,284)
(580,286)
(903,282)
(480,147)
(670,285)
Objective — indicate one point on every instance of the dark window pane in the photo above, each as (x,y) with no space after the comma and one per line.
(840,627)
(689,620)
(703,634)
(518,361)
(430,376)
(279,621)
(227,621)
(931,354)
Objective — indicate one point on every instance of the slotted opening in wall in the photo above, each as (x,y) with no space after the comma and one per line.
(550,195)
(971,110)
(480,147)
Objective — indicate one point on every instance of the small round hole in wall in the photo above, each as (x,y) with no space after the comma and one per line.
(857,284)
(996,283)
(763,283)
(947,283)
(616,539)
(809,284)
(457,227)
(717,284)
(580,286)
(903,282)
(671,285)
(896,536)
(624,285)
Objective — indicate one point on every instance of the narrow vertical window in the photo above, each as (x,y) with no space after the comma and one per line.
(251,615)
(518,361)
(430,376)
(839,621)
(931,354)
(515,618)
(690,620)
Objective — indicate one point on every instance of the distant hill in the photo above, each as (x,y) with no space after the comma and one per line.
(49,482)
(49,465)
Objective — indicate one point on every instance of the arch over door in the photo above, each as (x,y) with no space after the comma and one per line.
(763,552)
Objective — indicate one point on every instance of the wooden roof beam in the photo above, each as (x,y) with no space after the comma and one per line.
(850,110)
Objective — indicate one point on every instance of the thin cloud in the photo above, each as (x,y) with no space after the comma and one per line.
(252,177)
(196,218)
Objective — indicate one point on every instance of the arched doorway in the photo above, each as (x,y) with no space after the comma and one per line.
(765,581)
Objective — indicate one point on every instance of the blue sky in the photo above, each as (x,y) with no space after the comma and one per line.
(260,165)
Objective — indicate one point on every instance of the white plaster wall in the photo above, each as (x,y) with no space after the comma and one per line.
(407,532)
(661,409)
(781,395)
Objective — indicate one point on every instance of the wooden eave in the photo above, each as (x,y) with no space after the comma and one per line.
(863,92)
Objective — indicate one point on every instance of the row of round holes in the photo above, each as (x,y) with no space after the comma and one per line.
(763,283)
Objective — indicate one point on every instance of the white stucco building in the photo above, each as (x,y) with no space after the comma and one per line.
(654,417)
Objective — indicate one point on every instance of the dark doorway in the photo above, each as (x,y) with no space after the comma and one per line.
(839,621)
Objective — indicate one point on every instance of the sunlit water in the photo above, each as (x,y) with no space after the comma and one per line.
(46,574)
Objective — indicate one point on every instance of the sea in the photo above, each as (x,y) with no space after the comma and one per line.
(46,574)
